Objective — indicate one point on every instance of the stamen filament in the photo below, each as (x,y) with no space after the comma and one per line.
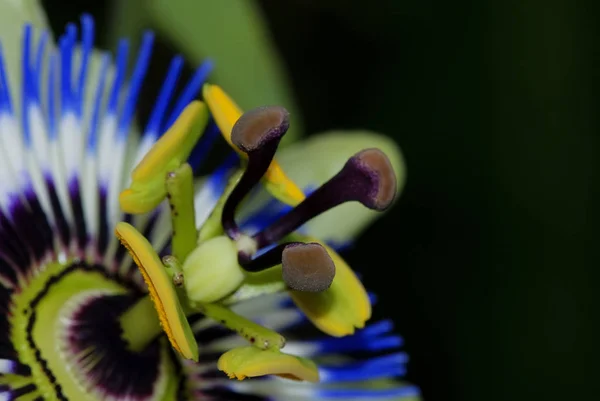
(180,193)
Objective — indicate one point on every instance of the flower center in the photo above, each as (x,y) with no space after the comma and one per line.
(67,332)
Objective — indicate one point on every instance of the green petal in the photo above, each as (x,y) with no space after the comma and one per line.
(232,33)
(313,161)
(13,16)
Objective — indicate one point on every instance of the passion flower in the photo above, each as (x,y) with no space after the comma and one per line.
(82,321)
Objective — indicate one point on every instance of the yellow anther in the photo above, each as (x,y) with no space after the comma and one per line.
(147,188)
(162,292)
(243,362)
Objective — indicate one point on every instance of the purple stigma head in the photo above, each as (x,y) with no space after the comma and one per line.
(257,127)
(307,267)
(377,168)
(257,133)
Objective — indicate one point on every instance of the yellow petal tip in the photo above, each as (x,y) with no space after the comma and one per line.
(281,186)
(223,109)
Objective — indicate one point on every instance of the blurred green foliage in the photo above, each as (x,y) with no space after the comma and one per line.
(232,33)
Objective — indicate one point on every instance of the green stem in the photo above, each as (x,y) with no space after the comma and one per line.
(140,324)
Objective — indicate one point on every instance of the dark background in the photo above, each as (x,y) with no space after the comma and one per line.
(487,264)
